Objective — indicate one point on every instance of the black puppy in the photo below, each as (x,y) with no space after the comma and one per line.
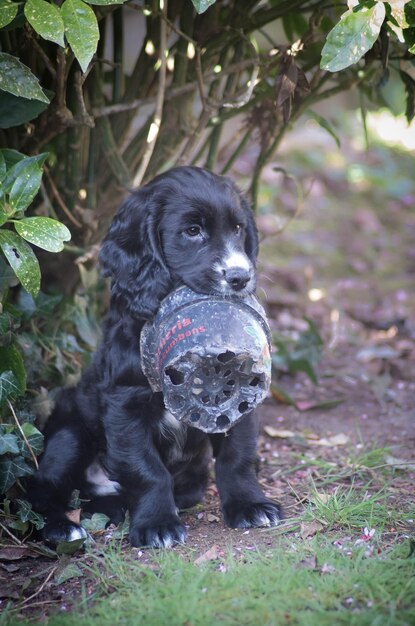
(111,436)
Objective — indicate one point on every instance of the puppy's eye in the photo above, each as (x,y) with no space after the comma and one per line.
(193,231)
(239,228)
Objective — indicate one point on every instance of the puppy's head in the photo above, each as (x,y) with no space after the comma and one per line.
(188,226)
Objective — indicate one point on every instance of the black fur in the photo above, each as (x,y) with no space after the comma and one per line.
(188,226)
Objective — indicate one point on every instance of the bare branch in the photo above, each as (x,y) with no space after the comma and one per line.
(173,93)
(59,199)
(155,125)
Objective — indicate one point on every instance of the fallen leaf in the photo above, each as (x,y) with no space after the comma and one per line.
(400,463)
(309,562)
(9,593)
(278,432)
(327,569)
(336,440)
(14,553)
(212,518)
(309,529)
(320,497)
(209,555)
(71,570)
(376,352)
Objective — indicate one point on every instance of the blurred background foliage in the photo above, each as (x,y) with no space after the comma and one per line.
(286,96)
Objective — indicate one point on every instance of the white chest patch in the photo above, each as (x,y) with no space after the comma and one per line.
(175,432)
(99,482)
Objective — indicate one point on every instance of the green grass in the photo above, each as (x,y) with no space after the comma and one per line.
(298,583)
(336,578)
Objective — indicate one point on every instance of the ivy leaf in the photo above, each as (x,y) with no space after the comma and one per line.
(17,79)
(352,37)
(71,570)
(8,11)
(81,30)
(70,547)
(10,470)
(97,522)
(22,259)
(27,514)
(8,386)
(202,5)
(34,437)
(9,444)
(11,360)
(46,20)
(43,232)
(25,187)
(8,323)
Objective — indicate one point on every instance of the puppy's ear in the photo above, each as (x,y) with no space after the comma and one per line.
(251,240)
(131,255)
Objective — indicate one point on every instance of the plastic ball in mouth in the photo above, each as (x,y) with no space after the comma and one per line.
(210,357)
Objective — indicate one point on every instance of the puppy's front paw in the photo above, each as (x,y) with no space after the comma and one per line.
(61,531)
(240,514)
(162,535)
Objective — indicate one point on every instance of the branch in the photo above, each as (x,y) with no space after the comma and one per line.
(59,199)
(173,93)
(155,126)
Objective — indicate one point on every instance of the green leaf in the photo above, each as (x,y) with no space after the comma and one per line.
(22,259)
(409,10)
(19,166)
(105,2)
(34,437)
(81,30)
(46,20)
(25,187)
(326,125)
(8,11)
(303,365)
(97,522)
(8,386)
(8,323)
(3,166)
(17,79)
(352,37)
(11,470)
(27,514)
(9,444)
(202,5)
(409,83)
(11,156)
(43,232)
(11,360)
(7,276)
(71,570)
(15,111)
(70,547)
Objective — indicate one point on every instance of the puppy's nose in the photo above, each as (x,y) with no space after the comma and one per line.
(237,277)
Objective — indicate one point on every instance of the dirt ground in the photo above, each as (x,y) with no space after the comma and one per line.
(362,264)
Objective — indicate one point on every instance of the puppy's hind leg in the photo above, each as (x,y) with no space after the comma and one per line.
(61,469)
